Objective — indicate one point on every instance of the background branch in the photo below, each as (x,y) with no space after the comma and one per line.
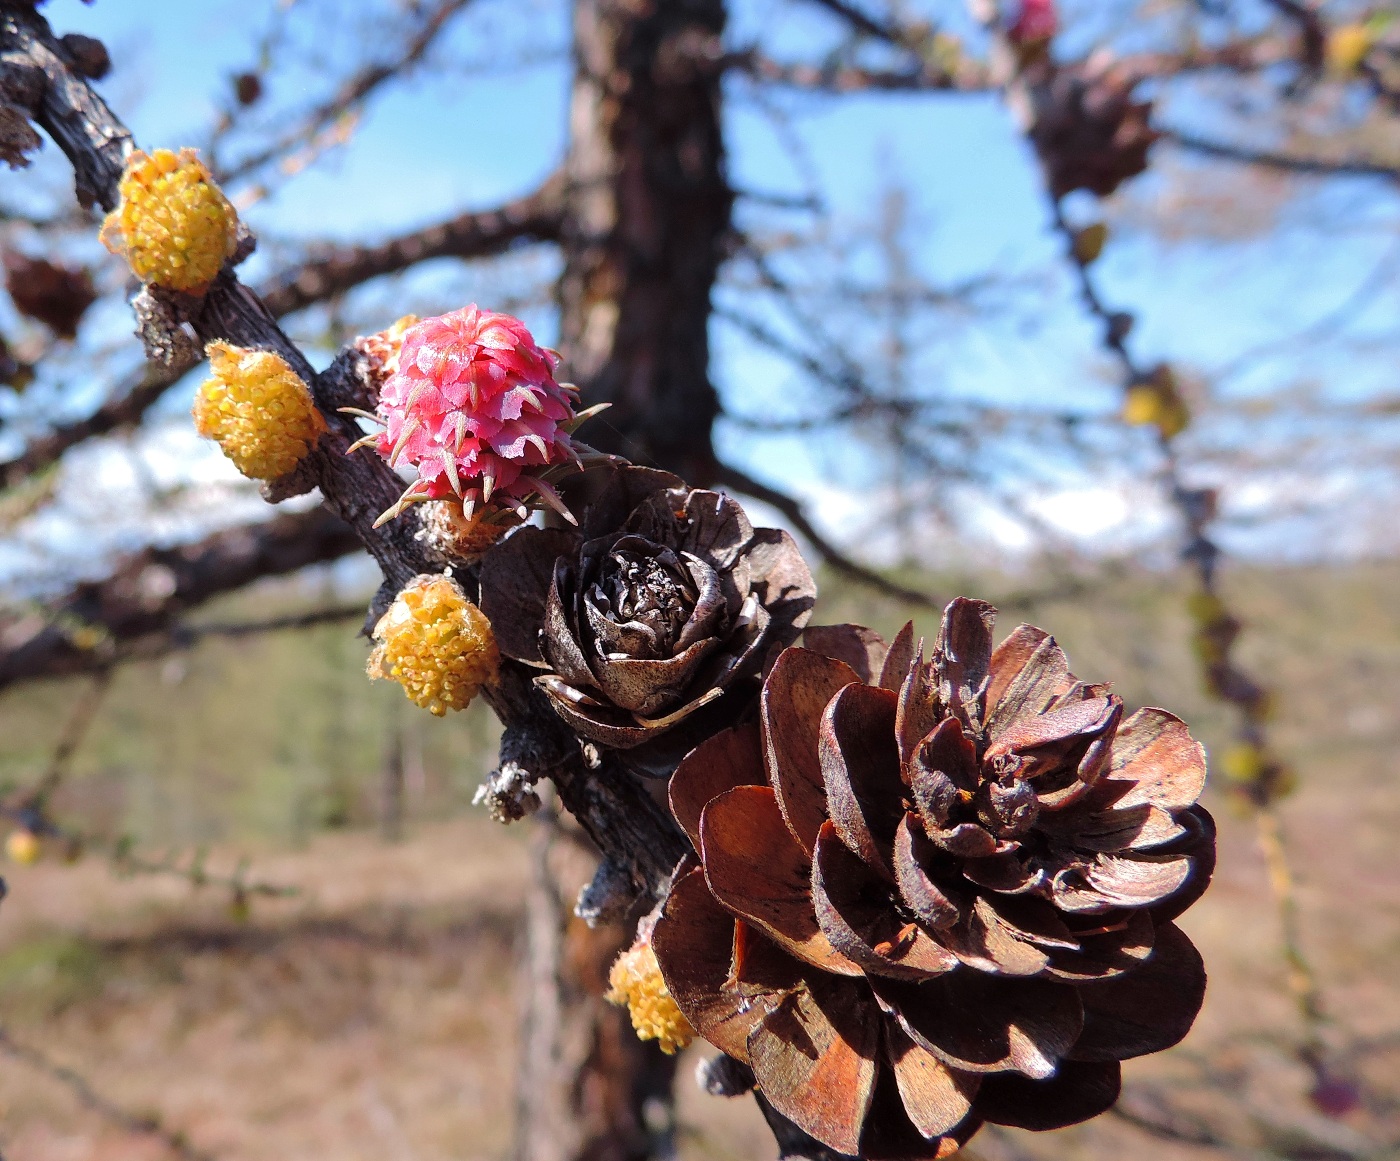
(332,270)
(96,622)
(1269,159)
(142,1124)
(832,556)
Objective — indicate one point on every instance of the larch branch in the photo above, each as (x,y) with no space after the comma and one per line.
(830,554)
(628,826)
(1270,159)
(146,594)
(332,270)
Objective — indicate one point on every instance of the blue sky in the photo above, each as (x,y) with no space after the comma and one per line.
(478,134)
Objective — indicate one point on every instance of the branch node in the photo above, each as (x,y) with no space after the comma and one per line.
(509,795)
(244,243)
(723,1076)
(608,896)
(163,326)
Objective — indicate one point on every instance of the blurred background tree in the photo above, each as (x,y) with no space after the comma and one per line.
(1053,303)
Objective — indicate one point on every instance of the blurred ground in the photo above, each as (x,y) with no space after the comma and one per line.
(373,1014)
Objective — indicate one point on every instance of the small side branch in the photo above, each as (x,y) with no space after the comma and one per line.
(133,400)
(352,93)
(1289,163)
(146,1125)
(863,23)
(74,731)
(91,625)
(537,217)
(1311,30)
(830,554)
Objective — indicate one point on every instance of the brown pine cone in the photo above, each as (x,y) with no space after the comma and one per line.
(664,601)
(58,296)
(1089,131)
(933,894)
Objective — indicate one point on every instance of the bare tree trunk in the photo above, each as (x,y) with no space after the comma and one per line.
(647,219)
(588,1089)
(391,805)
(647,216)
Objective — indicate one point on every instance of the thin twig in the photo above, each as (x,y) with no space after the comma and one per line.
(353,92)
(830,554)
(141,1124)
(192,634)
(1302,979)
(127,864)
(861,21)
(84,710)
(1269,159)
(1167,1126)
(1311,29)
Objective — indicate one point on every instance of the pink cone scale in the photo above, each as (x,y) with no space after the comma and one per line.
(1036,21)
(474,406)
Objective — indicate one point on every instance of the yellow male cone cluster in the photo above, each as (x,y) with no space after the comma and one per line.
(258,410)
(635,981)
(1157,402)
(436,644)
(1347,46)
(1089,243)
(23,847)
(174,225)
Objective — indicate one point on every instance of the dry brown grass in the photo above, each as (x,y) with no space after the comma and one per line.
(373,1016)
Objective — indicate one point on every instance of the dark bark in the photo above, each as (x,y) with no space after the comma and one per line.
(72,114)
(587,1087)
(648,213)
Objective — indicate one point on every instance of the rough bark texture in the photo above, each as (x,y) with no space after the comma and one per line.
(78,120)
(647,215)
(648,211)
(588,1088)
